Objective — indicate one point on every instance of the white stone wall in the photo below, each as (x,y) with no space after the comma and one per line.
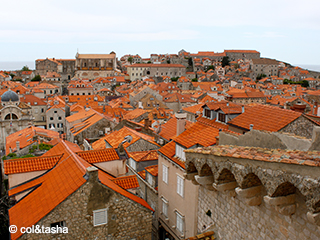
(232,219)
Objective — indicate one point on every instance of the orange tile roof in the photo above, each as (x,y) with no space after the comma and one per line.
(198,134)
(101,155)
(169,150)
(264,117)
(153,170)
(127,182)
(115,138)
(142,156)
(55,186)
(130,115)
(32,100)
(169,129)
(309,158)
(25,137)
(22,165)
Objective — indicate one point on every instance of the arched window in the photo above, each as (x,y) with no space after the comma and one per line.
(8,116)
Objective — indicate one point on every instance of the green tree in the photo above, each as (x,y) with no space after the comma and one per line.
(305,83)
(174,79)
(168,61)
(12,75)
(210,67)
(194,79)
(37,78)
(225,61)
(25,68)
(260,76)
(130,59)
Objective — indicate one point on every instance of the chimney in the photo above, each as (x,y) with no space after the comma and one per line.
(181,122)
(242,109)
(147,123)
(91,174)
(251,127)
(140,105)
(18,145)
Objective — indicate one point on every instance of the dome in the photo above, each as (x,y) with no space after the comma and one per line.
(9,96)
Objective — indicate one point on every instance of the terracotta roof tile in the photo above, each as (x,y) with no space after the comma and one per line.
(169,150)
(50,189)
(169,129)
(101,155)
(127,182)
(265,117)
(22,165)
(309,158)
(153,170)
(142,156)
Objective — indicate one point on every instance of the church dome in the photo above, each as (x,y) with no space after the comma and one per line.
(9,96)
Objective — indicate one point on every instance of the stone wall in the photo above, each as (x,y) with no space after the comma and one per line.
(126,218)
(232,218)
(301,127)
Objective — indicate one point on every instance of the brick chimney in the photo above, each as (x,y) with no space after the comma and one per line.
(92,174)
(181,122)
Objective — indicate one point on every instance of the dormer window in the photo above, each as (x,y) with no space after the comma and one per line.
(207,113)
(180,152)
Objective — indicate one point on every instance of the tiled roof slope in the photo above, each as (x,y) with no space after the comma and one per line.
(153,170)
(54,187)
(310,158)
(127,182)
(142,156)
(115,138)
(169,150)
(169,129)
(265,117)
(198,133)
(22,165)
(25,137)
(102,155)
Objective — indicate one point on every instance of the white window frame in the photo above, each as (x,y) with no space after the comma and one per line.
(165,172)
(95,212)
(179,222)
(180,185)
(180,152)
(133,164)
(165,204)
(150,179)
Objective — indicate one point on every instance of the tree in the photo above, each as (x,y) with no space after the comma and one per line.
(37,78)
(305,83)
(210,67)
(174,79)
(194,79)
(225,61)
(168,61)
(260,76)
(130,59)
(25,68)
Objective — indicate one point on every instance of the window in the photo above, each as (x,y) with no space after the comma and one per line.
(55,111)
(42,110)
(207,113)
(132,163)
(180,185)
(36,110)
(59,118)
(222,117)
(180,152)
(179,222)
(58,224)
(165,173)
(164,207)
(100,217)
(150,179)
(51,118)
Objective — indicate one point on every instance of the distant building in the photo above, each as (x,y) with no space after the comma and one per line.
(64,67)
(92,66)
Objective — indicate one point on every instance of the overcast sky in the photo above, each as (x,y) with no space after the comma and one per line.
(281,29)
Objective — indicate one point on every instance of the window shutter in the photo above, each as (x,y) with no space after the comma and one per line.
(100,217)
(165,173)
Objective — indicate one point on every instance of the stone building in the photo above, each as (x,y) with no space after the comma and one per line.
(64,67)
(269,67)
(242,54)
(80,199)
(92,66)
(137,71)
(254,192)
(14,115)
(80,87)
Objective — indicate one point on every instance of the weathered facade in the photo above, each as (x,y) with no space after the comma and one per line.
(256,193)
(92,66)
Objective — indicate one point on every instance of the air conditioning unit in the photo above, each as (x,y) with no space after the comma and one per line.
(107,130)
(100,133)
